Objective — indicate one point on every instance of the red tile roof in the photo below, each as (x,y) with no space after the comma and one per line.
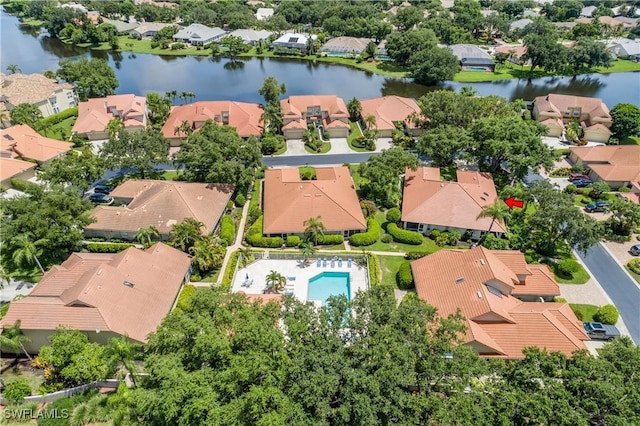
(390,109)
(245,117)
(290,201)
(95,114)
(481,284)
(128,293)
(294,109)
(426,199)
(10,167)
(616,163)
(22,141)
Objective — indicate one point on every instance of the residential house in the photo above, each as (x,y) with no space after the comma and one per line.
(251,37)
(103,295)
(483,284)
(14,168)
(168,4)
(389,110)
(292,41)
(345,46)
(162,204)
(472,58)
(123,28)
(617,165)
(47,94)
(326,112)
(199,35)
(245,117)
(555,111)
(587,12)
(394,10)
(94,115)
(634,195)
(515,52)
(626,49)
(632,22)
(24,143)
(264,13)
(289,201)
(614,23)
(520,24)
(429,203)
(148,29)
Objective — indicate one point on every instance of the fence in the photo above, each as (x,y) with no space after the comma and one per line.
(50,397)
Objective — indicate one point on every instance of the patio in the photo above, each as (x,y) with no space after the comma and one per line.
(252,278)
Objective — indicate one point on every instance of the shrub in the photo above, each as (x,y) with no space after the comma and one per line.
(21,184)
(366,238)
(386,238)
(330,240)
(562,172)
(178,46)
(579,315)
(368,208)
(404,277)
(492,242)
(307,173)
(570,189)
(558,299)
(434,234)
(59,117)
(17,390)
(254,214)
(393,215)
(227,230)
(416,255)
(255,238)
(184,300)
(404,236)
(568,267)
(374,269)
(230,205)
(607,314)
(108,247)
(293,241)
(231,268)
(240,200)
(624,189)
(634,266)
(448,238)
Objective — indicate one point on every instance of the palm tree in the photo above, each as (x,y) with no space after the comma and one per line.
(121,354)
(114,126)
(307,250)
(26,252)
(496,211)
(208,253)
(370,122)
(146,235)
(13,68)
(184,234)
(172,94)
(5,277)
(314,229)
(276,281)
(13,339)
(247,257)
(185,128)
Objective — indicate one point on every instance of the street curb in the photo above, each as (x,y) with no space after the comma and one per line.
(618,262)
(595,280)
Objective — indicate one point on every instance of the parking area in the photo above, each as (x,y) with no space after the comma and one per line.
(620,251)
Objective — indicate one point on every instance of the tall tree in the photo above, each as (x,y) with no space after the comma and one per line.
(497,211)
(314,229)
(185,234)
(159,108)
(12,339)
(626,120)
(587,54)
(141,151)
(625,217)
(93,78)
(382,173)
(543,49)
(271,90)
(28,114)
(208,253)
(402,46)
(354,107)
(443,144)
(430,66)
(80,169)
(407,18)
(26,251)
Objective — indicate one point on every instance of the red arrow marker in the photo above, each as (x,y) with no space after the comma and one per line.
(512,202)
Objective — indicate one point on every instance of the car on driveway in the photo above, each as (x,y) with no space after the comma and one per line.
(101,189)
(635,250)
(599,331)
(598,206)
(100,198)
(577,176)
(582,182)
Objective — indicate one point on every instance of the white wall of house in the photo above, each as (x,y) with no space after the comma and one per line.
(61,100)
(597,136)
(25,175)
(294,133)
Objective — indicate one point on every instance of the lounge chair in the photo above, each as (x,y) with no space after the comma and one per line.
(318,262)
(291,278)
(324,262)
(349,263)
(339,262)
(333,263)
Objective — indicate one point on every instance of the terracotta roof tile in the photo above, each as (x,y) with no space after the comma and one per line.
(95,114)
(27,143)
(611,162)
(390,109)
(10,167)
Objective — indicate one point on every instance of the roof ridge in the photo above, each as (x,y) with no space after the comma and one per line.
(336,202)
(560,327)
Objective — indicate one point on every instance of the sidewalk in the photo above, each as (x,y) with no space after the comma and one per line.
(238,242)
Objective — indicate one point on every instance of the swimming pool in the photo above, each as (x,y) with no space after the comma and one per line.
(328,284)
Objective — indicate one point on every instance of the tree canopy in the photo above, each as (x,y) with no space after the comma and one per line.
(140,151)
(77,169)
(382,173)
(626,120)
(93,78)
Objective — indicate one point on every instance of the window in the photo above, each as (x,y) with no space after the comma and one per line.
(72,104)
(314,110)
(53,100)
(225,117)
(69,95)
(56,109)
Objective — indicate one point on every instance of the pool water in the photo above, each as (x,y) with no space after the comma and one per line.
(328,284)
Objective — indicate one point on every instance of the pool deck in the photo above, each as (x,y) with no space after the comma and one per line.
(298,287)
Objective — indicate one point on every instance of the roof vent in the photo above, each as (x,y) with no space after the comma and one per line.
(99,271)
(460,280)
(485,194)
(479,293)
(307,195)
(483,199)
(128,284)
(482,261)
(318,195)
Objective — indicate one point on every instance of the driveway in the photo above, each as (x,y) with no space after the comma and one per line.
(620,251)
(620,287)
(295,147)
(15,288)
(317,159)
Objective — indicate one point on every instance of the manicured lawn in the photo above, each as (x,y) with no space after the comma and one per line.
(333,248)
(326,146)
(587,311)
(212,277)
(631,140)
(308,170)
(389,266)
(579,277)
(31,22)
(427,246)
(355,134)
(60,131)
(633,274)
(170,174)
(281,149)
(620,65)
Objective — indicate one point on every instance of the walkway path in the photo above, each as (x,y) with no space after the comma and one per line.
(238,242)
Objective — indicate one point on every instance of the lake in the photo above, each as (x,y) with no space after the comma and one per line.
(220,78)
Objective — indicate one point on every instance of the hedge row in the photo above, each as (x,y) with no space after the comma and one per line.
(403,236)
(634,266)
(374,269)
(227,230)
(293,241)
(404,277)
(369,237)
(231,268)
(330,240)
(416,255)
(59,117)
(256,239)
(184,300)
(108,247)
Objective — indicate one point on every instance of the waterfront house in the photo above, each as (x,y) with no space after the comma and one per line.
(482,285)
(103,295)
(199,35)
(292,41)
(251,37)
(472,58)
(148,29)
(429,203)
(325,112)
(94,115)
(391,110)
(161,204)
(289,201)
(345,46)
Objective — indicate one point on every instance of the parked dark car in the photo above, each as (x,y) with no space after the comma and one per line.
(101,189)
(599,331)
(635,250)
(577,176)
(582,182)
(598,206)
(100,199)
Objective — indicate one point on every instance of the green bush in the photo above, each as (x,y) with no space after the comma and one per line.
(255,238)
(448,238)
(435,233)
(386,238)
(330,240)
(558,299)
(568,267)
(404,236)
(184,300)
(20,184)
(17,390)
(634,266)
(366,238)
(293,241)
(624,189)
(570,189)
(228,273)
(240,200)
(607,314)
(3,310)
(254,214)
(59,117)
(108,247)
(404,277)
(227,230)
(416,255)
(394,215)
(368,208)
(579,315)
(374,269)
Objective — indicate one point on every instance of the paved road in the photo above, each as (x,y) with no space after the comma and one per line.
(317,159)
(622,290)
